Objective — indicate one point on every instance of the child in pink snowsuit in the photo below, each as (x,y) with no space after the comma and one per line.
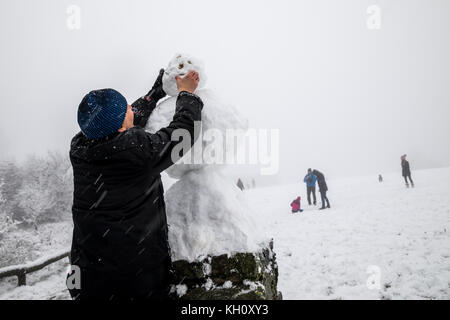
(296,205)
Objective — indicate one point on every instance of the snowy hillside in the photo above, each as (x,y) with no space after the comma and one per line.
(325,254)
(402,233)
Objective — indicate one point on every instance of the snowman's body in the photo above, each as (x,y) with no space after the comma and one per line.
(206,212)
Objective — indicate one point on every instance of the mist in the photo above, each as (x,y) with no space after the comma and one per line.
(346,99)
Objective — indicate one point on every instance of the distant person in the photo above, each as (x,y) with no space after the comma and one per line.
(240,184)
(323,188)
(310,180)
(296,205)
(406,171)
(380,178)
(253,184)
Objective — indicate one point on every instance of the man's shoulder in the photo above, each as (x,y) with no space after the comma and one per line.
(127,141)
(76,138)
(136,135)
(133,133)
(130,139)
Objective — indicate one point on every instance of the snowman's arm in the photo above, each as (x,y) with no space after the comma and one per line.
(143,108)
(160,144)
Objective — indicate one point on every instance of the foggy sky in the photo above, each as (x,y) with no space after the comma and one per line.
(347,100)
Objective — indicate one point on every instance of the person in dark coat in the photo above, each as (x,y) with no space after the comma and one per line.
(310,181)
(406,171)
(240,184)
(120,237)
(380,178)
(323,188)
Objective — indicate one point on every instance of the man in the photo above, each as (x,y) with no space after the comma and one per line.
(323,188)
(310,181)
(406,171)
(120,240)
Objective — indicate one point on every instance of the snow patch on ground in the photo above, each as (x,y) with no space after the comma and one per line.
(46,284)
(181,290)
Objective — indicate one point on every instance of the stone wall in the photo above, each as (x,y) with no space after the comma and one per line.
(241,275)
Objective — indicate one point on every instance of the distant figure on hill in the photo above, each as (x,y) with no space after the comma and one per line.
(310,181)
(380,178)
(240,184)
(323,188)
(406,171)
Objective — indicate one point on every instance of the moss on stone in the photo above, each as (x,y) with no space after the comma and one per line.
(188,272)
(254,276)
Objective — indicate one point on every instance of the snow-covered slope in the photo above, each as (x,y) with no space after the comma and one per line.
(402,233)
(326,254)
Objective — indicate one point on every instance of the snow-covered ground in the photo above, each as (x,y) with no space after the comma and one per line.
(401,236)
(325,254)
(48,283)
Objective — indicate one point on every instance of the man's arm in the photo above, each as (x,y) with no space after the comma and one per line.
(144,106)
(187,112)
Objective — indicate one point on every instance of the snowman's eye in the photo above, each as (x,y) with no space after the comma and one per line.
(180,66)
(189,62)
(178,56)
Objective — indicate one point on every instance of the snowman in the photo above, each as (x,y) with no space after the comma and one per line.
(206,212)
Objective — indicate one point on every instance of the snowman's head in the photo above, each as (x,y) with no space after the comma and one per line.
(180,65)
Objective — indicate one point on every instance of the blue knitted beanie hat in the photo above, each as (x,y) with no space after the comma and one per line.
(101,113)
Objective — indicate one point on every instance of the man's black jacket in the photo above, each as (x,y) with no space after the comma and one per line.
(120,237)
(320,181)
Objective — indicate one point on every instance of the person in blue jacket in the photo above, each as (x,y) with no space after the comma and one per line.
(310,180)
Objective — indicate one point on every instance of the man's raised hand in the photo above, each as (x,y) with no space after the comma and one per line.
(189,82)
(157,92)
